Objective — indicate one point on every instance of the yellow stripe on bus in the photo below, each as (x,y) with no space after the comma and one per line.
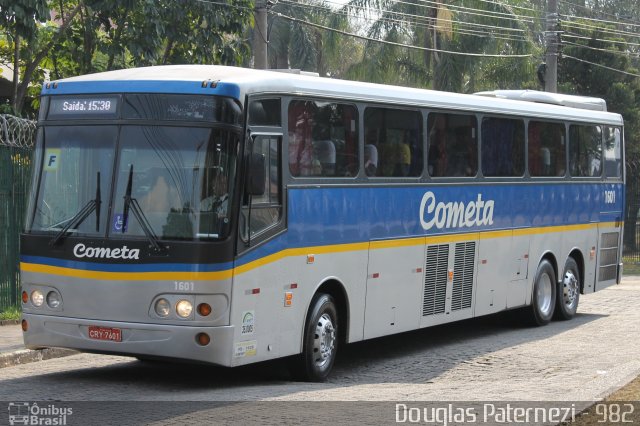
(304,251)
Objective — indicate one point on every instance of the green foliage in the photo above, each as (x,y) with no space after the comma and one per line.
(433,68)
(22,15)
(621,91)
(96,35)
(11,313)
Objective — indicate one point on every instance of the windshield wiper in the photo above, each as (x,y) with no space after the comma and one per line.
(131,204)
(82,215)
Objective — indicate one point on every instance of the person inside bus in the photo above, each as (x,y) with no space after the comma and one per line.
(218,201)
(437,155)
(370,159)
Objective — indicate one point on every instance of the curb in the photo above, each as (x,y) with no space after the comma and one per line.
(25,356)
(9,322)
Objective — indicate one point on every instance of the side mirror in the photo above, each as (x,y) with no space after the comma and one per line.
(256,173)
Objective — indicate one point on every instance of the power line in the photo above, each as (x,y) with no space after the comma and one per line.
(615,52)
(577,36)
(219,3)
(604,21)
(599,12)
(581,26)
(600,65)
(301,21)
(391,20)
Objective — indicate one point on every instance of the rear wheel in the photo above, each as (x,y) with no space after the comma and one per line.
(544,295)
(568,291)
(320,340)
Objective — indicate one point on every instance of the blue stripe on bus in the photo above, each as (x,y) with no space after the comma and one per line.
(323,216)
(142,86)
(332,216)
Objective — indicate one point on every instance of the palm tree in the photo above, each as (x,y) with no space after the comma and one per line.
(477,27)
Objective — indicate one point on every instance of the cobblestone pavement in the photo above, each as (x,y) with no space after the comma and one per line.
(484,359)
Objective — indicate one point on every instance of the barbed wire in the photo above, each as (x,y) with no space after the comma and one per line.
(17,132)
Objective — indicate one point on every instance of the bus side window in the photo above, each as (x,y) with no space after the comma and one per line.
(585,150)
(323,139)
(393,142)
(612,152)
(452,143)
(546,149)
(502,147)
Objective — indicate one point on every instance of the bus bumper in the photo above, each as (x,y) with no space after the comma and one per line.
(152,340)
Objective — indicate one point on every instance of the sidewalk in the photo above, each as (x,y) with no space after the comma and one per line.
(13,352)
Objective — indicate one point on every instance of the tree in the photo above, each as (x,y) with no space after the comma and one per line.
(476,27)
(18,19)
(297,39)
(87,36)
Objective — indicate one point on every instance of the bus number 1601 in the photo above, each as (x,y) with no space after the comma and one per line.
(609,197)
(183,285)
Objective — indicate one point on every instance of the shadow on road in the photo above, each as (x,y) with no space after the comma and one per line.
(412,357)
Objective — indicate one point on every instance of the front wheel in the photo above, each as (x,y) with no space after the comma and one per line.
(320,340)
(568,291)
(544,295)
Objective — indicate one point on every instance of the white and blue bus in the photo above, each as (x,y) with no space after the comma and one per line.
(229,216)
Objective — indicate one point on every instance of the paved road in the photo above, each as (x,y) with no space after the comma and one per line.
(484,359)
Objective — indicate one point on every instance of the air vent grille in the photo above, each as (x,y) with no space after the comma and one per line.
(463,268)
(435,281)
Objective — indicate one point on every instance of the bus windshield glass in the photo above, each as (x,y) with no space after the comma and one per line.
(151,177)
(179,178)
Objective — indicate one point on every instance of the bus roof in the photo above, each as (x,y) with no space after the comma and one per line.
(238,82)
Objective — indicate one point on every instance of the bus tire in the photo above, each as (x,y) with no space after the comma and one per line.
(320,343)
(544,295)
(568,293)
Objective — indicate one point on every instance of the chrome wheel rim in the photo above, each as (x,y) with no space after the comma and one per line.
(543,294)
(324,341)
(570,290)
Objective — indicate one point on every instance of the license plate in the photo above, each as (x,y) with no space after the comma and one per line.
(105,333)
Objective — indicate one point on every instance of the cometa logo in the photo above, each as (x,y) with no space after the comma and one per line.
(80,250)
(454,214)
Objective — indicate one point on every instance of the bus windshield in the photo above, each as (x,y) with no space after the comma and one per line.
(178,178)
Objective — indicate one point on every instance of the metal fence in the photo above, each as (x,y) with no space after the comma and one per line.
(16,144)
(631,252)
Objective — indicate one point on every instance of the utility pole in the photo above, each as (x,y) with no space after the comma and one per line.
(260,36)
(551,38)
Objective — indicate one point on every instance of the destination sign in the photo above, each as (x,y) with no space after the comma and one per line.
(63,107)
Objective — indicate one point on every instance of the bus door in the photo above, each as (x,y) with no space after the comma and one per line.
(394,284)
(611,211)
(257,310)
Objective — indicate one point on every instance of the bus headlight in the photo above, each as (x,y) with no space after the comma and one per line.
(163,307)
(53,299)
(184,308)
(37,298)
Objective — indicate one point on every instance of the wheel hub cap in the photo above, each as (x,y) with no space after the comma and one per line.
(570,289)
(324,340)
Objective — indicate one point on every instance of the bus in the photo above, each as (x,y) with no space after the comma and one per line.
(229,216)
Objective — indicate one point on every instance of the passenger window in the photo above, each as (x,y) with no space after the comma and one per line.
(393,143)
(546,149)
(266,209)
(265,112)
(452,142)
(585,150)
(612,152)
(323,139)
(502,147)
